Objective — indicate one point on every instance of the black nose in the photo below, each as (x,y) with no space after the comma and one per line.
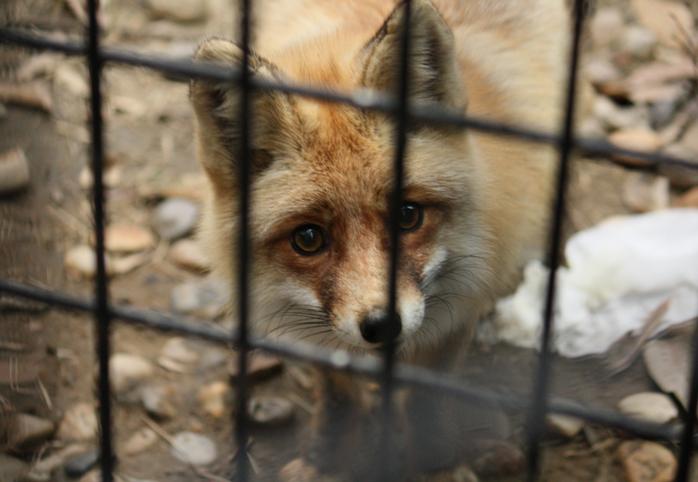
(380,329)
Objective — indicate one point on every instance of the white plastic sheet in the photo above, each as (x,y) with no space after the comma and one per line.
(617,273)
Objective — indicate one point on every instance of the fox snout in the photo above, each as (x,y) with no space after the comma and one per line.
(380,328)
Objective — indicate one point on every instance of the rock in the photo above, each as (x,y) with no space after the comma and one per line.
(600,71)
(67,79)
(638,41)
(643,193)
(203,298)
(127,371)
(30,431)
(80,261)
(259,366)
(212,398)
(14,171)
(79,423)
(118,265)
(636,139)
(668,361)
(184,11)
(158,399)
(42,469)
(12,469)
(606,25)
(619,118)
(680,176)
(79,465)
(177,349)
(140,441)
(187,254)
(175,218)
(650,406)
(647,462)
(270,411)
(564,425)
(592,128)
(127,238)
(661,113)
(689,199)
(193,448)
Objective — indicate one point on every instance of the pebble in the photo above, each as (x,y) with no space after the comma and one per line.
(592,128)
(12,469)
(31,430)
(647,462)
(112,177)
(157,400)
(212,398)
(80,261)
(42,469)
(650,406)
(270,411)
(188,254)
(689,199)
(127,371)
(204,298)
(67,79)
(606,26)
(14,171)
(637,139)
(565,425)
(668,362)
(638,41)
(600,71)
(644,193)
(619,118)
(127,238)
(118,265)
(140,441)
(259,366)
(178,349)
(81,464)
(193,448)
(79,423)
(175,218)
(184,11)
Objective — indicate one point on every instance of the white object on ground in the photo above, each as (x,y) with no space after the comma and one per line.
(617,273)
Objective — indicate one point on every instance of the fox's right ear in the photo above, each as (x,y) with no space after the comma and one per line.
(217,107)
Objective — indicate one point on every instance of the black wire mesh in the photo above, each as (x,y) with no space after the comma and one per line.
(388,372)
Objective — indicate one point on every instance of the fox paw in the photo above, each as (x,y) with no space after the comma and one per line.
(299,470)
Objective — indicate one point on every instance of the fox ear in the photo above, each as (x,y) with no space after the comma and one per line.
(433,73)
(217,108)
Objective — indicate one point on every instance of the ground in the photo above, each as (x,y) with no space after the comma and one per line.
(47,355)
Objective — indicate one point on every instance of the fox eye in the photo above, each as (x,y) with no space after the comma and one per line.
(308,239)
(411,216)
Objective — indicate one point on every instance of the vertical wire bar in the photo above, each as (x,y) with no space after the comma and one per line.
(402,120)
(686,451)
(536,416)
(102,315)
(241,422)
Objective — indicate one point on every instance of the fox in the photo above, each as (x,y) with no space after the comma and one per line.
(474,211)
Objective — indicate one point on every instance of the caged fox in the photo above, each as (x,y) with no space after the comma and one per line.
(474,206)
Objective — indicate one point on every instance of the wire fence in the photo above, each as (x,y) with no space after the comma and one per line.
(386,370)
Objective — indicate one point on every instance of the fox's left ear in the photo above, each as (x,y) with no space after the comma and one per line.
(433,73)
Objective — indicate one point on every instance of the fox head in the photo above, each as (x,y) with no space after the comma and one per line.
(321,181)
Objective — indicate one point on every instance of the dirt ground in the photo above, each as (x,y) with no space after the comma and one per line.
(149,146)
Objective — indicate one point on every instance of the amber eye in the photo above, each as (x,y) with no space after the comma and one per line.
(308,239)
(411,216)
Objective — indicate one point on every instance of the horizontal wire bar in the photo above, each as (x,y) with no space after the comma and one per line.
(342,361)
(361,99)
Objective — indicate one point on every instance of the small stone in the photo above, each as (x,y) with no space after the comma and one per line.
(606,25)
(79,423)
(636,139)
(682,177)
(600,71)
(80,261)
(203,298)
(565,425)
(126,371)
(157,400)
(127,238)
(31,430)
(662,113)
(81,464)
(12,469)
(175,218)
(619,118)
(67,79)
(647,462)
(42,469)
(193,448)
(212,398)
(689,199)
(178,349)
(112,177)
(187,254)
(638,41)
(643,193)
(270,411)
(14,171)
(259,366)
(592,128)
(650,406)
(184,11)
(140,441)
(118,265)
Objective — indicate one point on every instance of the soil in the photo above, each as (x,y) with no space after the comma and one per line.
(149,139)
